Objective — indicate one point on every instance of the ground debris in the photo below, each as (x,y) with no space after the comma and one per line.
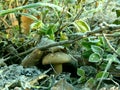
(15,75)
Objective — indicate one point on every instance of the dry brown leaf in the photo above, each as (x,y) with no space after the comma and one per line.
(12,16)
(41,76)
(26,22)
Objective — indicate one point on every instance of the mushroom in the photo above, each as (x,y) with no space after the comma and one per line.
(32,59)
(56,59)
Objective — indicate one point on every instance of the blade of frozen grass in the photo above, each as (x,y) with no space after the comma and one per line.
(106,69)
(29,15)
(39,4)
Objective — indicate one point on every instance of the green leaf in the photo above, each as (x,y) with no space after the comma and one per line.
(63,36)
(81,79)
(81,26)
(100,75)
(118,12)
(80,72)
(87,53)
(93,39)
(113,58)
(90,82)
(52,36)
(117,22)
(118,50)
(94,57)
(36,25)
(97,49)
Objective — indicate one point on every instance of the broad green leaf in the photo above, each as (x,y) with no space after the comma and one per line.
(86,45)
(100,75)
(87,53)
(80,72)
(113,58)
(94,57)
(97,49)
(82,79)
(81,26)
(90,82)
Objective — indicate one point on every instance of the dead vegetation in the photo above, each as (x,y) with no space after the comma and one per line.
(59,44)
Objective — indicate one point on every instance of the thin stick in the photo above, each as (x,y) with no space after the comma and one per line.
(108,43)
(45,47)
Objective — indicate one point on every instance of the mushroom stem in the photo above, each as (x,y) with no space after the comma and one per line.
(57,68)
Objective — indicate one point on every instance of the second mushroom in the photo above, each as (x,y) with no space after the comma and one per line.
(56,59)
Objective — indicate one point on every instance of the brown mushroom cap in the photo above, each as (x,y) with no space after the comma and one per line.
(56,58)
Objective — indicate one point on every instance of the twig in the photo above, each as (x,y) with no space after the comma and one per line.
(111,27)
(98,34)
(108,43)
(79,13)
(5,22)
(25,2)
(106,5)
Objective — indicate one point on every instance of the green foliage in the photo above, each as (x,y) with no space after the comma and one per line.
(94,57)
(118,13)
(48,30)
(36,25)
(93,39)
(117,21)
(86,74)
(118,50)
(90,82)
(81,26)
(80,72)
(59,21)
(102,74)
(112,58)
(97,50)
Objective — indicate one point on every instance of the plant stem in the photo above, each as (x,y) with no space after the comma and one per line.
(3,12)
